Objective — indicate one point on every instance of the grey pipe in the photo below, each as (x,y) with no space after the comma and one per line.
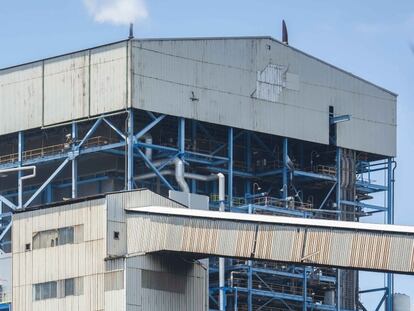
(222,197)
(21,178)
(148,140)
(179,175)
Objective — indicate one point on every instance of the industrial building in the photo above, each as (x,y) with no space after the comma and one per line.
(293,135)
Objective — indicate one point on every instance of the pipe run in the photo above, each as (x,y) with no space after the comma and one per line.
(222,197)
(180,176)
(21,178)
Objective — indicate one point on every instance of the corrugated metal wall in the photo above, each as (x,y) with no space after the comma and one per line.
(100,260)
(184,287)
(83,259)
(223,75)
(372,250)
(65,88)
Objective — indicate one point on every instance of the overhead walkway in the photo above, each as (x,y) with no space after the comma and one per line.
(385,248)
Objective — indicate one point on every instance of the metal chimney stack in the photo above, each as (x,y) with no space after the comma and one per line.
(131,31)
(285,38)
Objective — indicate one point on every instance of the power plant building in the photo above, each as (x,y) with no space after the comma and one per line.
(293,135)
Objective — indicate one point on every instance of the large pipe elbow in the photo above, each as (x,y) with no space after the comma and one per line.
(179,175)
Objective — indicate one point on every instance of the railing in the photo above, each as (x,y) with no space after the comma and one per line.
(54,149)
(266,201)
(326,170)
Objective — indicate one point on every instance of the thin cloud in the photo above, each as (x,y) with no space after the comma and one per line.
(117,12)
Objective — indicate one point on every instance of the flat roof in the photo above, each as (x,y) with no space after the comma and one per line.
(267,219)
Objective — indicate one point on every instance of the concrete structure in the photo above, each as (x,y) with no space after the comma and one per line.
(294,136)
(74,257)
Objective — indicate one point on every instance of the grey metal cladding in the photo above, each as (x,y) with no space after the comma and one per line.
(224,75)
(271,87)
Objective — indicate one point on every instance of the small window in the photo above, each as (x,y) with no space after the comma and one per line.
(27,247)
(58,289)
(46,290)
(116,235)
(69,287)
(56,237)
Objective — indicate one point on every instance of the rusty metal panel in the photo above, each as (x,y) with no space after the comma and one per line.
(281,243)
(330,243)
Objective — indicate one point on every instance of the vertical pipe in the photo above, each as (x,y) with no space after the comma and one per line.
(181,136)
(285,171)
(390,220)
(193,139)
(222,197)
(236,300)
(248,159)
(230,166)
(250,277)
(20,173)
(130,153)
(74,161)
(338,206)
(49,194)
(305,289)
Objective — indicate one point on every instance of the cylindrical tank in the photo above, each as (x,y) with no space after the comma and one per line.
(401,302)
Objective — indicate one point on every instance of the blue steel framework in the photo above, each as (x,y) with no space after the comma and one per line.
(129,145)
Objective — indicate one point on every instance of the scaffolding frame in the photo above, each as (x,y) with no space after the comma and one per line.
(130,145)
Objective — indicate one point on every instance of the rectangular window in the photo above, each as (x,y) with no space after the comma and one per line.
(58,289)
(69,287)
(56,237)
(46,290)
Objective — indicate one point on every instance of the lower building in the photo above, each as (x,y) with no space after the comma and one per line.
(75,257)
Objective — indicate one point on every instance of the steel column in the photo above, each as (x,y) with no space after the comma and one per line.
(250,277)
(20,173)
(130,150)
(338,206)
(193,139)
(305,289)
(248,159)
(74,162)
(230,166)
(181,136)
(285,172)
(390,220)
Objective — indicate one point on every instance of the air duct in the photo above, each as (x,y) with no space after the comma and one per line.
(148,140)
(179,175)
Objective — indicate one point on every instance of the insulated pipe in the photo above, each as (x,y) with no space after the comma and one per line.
(19,169)
(222,192)
(148,140)
(179,175)
(21,178)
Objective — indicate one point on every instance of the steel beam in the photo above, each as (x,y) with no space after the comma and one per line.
(285,172)
(20,173)
(46,183)
(74,161)
(156,171)
(338,206)
(146,129)
(130,151)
